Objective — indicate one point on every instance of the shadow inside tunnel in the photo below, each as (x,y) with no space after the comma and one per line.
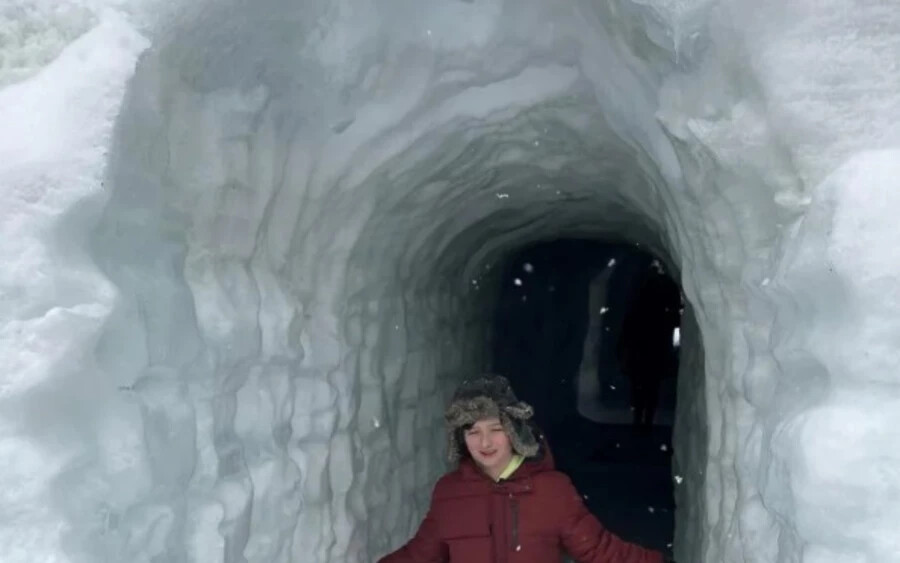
(546,326)
(625,477)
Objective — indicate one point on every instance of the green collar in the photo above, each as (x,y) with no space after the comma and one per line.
(514,464)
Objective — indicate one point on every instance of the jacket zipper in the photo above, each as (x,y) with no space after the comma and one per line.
(514,505)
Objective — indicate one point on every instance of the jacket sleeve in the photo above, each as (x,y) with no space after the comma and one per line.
(587,541)
(425,547)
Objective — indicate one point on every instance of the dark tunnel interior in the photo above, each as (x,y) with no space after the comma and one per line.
(587,332)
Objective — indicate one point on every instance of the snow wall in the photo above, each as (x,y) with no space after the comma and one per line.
(247,251)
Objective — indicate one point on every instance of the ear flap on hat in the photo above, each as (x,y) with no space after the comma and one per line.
(521,437)
(455,445)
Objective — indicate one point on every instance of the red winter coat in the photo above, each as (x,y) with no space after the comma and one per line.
(532,517)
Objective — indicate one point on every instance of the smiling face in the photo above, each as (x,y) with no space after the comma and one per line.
(489,446)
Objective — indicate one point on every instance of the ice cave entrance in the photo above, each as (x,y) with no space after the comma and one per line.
(569,314)
(302,280)
(250,247)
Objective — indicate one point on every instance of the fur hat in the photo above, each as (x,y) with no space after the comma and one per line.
(489,396)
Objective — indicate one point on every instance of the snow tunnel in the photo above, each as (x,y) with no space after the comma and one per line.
(251,247)
(314,268)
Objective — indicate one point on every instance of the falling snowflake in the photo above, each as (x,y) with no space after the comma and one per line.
(502,196)
(528,267)
(517,281)
(651,510)
(613,387)
(375,422)
(678,479)
(604,310)
(664,448)
(611,263)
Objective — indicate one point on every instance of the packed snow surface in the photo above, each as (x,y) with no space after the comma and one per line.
(249,247)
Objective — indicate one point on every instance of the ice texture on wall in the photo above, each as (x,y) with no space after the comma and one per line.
(242,271)
(840,451)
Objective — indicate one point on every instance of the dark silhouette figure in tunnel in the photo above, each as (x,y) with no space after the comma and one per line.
(645,350)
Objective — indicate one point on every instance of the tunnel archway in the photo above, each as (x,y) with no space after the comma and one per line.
(247,251)
(301,236)
(370,362)
(265,275)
